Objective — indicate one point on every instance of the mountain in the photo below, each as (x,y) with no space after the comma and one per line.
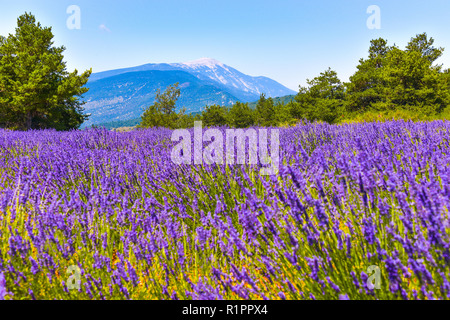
(122,94)
(125,96)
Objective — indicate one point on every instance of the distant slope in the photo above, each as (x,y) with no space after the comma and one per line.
(285,99)
(122,94)
(120,124)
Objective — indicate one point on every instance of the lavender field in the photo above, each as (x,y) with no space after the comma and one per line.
(357,211)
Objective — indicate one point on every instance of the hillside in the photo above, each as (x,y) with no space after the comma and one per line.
(122,95)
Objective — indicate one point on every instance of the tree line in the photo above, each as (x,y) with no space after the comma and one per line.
(391,83)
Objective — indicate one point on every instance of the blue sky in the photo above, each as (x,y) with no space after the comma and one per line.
(288,41)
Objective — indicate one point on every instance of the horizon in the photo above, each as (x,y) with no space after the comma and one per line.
(288,41)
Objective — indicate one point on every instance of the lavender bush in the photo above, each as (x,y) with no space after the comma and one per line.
(348,199)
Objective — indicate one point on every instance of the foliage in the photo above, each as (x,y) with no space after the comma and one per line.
(265,112)
(322,100)
(162,112)
(393,79)
(36,90)
(240,115)
(215,115)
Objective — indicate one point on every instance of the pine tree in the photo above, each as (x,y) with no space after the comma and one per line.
(322,100)
(214,115)
(240,116)
(36,90)
(392,79)
(265,112)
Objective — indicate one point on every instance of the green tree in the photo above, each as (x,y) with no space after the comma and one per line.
(215,115)
(162,112)
(185,120)
(36,90)
(265,112)
(367,85)
(240,116)
(152,118)
(392,79)
(445,113)
(322,100)
(424,45)
(413,84)
(165,102)
(377,51)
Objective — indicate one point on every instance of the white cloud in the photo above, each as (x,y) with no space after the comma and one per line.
(102,27)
